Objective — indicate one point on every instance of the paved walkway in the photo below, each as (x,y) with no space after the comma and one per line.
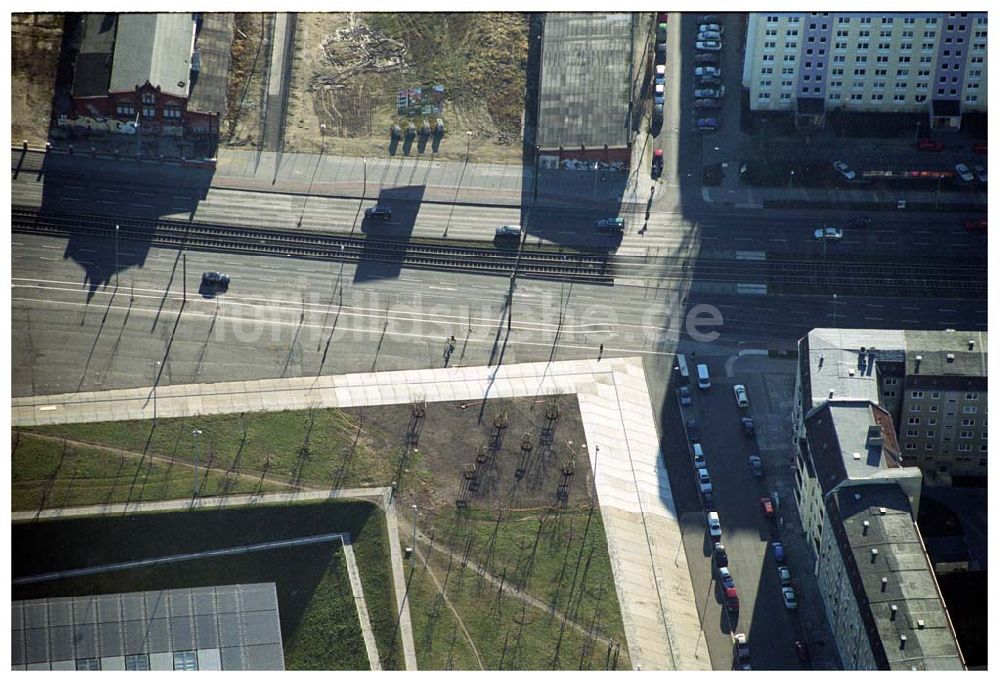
(659,614)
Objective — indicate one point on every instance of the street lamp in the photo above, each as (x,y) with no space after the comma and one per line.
(196,433)
(154,365)
(468,144)
(116,255)
(413,555)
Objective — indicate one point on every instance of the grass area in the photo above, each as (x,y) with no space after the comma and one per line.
(318,618)
(561,558)
(311,447)
(50,473)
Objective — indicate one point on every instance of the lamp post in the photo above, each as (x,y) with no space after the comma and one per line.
(413,555)
(138,139)
(468,144)
(196,433)
(154,365)
(116,255)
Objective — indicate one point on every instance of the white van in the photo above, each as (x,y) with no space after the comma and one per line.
(699,455)
(682,368)
(714,526)
(704,381)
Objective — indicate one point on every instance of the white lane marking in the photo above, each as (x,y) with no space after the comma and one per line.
(867,318)
(947,310)
(70,199)
(910,308)
(48,407)
(909,321)
(48,258)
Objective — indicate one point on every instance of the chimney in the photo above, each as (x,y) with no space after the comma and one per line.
(902,641)
(831,394)
(874,554)
(950,357)
(920,623)
(892,612)
(875,437)
(972,344)
(864,530)
(885,582)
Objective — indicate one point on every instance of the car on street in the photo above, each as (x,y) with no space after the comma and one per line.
(709,35)
(379,211)
(726,578)
(719,553)
(980,172)
(657,113)
(657,163)
(788,596)
(699,456)
(740,392)
(708,45)
(828,233)
(707,104)
(661,75)
(616,224)
(801,651)
(707,502)
(661,32)
(742,646)
(975,225)
(710,27)
(708,93)
(507,233)
(844,170)
(708,19)
(694,434)
(963,172)
(706,59)
(707,71)
(767,507)
(779,552)
(748,428)
(704,480)
(661,57)
(714,525)
(707,124)
(707,81)
(732,600)
(685,395)
(784,575)
(215,279)
(659,96)
(756,465)
(979,148)
(928,145)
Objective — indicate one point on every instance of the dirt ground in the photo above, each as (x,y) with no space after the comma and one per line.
(470,452)
(246,80)
(35,43)
(348,68)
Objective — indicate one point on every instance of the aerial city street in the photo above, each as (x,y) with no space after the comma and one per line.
(499,341)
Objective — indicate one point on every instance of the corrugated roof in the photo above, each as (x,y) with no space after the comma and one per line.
(155,48)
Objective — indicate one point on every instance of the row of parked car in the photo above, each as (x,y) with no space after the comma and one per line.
(963,172)
(708,88)
(660,65)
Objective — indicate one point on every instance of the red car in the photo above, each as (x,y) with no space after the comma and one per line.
(929,145)
(732,600)
(975,225)
(657,169)
(661,17)
(767,507)
(979,148)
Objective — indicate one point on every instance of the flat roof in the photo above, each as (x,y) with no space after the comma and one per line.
(584,90)
(155,48)
(889,548)
(209,628)
(92,71)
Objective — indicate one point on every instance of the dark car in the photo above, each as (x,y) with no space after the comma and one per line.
(929,145)
(756,465)
(694,434)
(707,59)
(708,19)
(707,124)
(779,552)
(216,279)
(721,558)
(657,169)
(801,651)
(616,224)
(685,394)
(707,104)
(748,428)
(707,81)
(379,211)
(707,502)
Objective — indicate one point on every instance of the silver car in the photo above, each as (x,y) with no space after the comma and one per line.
(828,233)
(964,173)
(707,71)
(717,28)
(708,45)
(709,35)
(709,93)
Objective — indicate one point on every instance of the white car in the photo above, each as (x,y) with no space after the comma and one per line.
(828,233)
(964,173)
(784,575)
(710,27)
(708,45)
(980,172)
(704,481)
(707,71)
(844,170)
(788,595)
(714,526)
(709,35)
(741,396)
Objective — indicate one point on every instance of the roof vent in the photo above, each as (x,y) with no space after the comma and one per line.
(875,437)
(180,84)
(920,623)
(831,393)
(881,511)
(850,372)
(857,456)
(892,612)
(885,582)
(857,496)
(972,344)
(865,526)
(950,357)
(902,641)
(874,554)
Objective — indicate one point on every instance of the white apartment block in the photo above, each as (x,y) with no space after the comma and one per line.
(811,63)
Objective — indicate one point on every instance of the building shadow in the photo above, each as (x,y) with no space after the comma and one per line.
(387,240)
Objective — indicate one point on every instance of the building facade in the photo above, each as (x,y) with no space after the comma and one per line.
(811,63)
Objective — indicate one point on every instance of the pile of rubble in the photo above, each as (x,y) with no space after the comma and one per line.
(357,48)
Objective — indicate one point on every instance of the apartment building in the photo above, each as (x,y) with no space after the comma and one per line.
(811,63)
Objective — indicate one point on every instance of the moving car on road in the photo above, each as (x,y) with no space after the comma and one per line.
(963,172)
(741,396)
(756,465)
(844,170)
(616,224)
(508,234)
(379,211)
(828,233)
(215,279)
(708,45)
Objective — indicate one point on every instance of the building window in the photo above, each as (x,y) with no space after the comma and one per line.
(931,433)
(935,394)
(786,96)
(148,98)
(965,434)
(125,109)
(878,97)
(891,381)
(968,422)
(171,112)
(970,410)
(149,112)
(913,421)
(964,447)
(972,397)
(764,96)
(911,446)
(186,661)
(834,96)
(912,432)
(137,662)
(88,664)
(916,394)
(769,45)
(772,20)
(928,447)
(934,408)
(916,408)
(932,421)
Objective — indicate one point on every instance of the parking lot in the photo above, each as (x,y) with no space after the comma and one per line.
(772,629)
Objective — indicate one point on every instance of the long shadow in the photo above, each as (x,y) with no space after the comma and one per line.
(387,240)
(104,319)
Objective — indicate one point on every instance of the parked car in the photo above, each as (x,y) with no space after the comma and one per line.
(707,104)
(707,502)
(704,480)
(710,27)
(844,170)
(661,32)
(714,525)
(708,45)
(708,19)
(709,35)
(711,93)
(928,145)
(963,172)
(215,279)
(707,124)
(379,211)
(685,395)
(661,57)
(657,163)
(706,59)
(707,71)
(767,507)
(699,456)
(719,553)
(741,396)
(784,575)
(661,75)
(756,465)
(828,233)
(748,428)
(657,113)
(788,596)
(707,81)
(616,224)
(975,225)
(802,651)
(980,172)
(779,552)
(979,148)
(694,434)
(732,600)
(726,578)
(742,646)
(659,95)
